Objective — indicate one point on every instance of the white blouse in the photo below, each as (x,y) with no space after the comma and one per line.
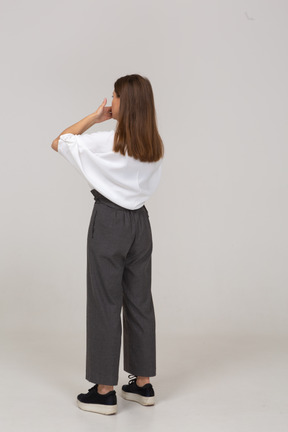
(124,180)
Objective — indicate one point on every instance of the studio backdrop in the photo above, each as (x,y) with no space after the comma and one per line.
(219,217)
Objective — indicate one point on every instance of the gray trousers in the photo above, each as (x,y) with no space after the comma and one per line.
(119,248)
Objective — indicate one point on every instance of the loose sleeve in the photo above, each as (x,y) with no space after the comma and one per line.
(96,142)
(71,146)
(85,152)
(68,148)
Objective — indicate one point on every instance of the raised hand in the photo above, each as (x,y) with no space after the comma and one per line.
(103,113)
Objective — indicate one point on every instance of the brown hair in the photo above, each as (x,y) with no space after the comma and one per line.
(136,130)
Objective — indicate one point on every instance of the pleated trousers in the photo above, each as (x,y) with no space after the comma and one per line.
(119,254)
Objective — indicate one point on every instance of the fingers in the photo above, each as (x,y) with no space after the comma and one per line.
(108,109)
(104,112)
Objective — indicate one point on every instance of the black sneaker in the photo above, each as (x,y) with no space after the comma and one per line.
(96,402)
(144,395)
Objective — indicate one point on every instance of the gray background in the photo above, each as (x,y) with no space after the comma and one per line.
(218,216)
(219,75)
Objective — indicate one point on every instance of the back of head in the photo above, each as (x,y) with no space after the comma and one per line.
(136,130)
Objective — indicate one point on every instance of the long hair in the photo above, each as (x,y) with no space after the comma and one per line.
(136,130)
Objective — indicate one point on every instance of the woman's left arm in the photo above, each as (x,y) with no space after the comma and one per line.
(103,113)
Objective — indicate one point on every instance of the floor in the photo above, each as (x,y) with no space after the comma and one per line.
(204,383)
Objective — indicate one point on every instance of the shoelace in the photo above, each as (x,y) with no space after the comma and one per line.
(133,378)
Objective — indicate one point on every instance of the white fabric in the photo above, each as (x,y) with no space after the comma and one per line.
(124,180)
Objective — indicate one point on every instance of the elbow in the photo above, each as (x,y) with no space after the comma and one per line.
(54,144)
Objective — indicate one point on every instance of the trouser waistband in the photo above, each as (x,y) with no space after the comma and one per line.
(99,197)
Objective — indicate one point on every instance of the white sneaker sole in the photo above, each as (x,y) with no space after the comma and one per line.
(98,408)
(143,400)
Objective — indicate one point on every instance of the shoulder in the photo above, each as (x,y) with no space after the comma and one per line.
(98,135)
(96,141)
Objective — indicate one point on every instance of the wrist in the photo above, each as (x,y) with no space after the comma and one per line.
(94,118)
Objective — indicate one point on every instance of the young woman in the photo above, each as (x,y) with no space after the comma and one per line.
(123,169)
